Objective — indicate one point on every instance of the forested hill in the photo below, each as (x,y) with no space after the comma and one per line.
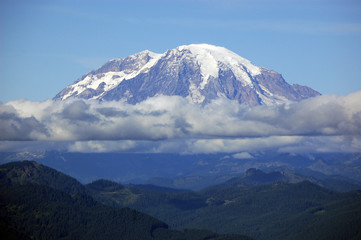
(272,210)
(30,172)
(37,202)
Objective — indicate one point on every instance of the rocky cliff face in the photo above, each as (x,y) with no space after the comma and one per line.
(200,72)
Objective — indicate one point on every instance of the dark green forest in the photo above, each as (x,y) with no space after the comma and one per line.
(38,202)
(259,205)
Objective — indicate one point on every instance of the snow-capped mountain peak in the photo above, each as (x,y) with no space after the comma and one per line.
(111,74)
(209,56)
(200,72)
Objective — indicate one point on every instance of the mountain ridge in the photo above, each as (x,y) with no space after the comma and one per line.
(273,211)
(199,72)
(38,202)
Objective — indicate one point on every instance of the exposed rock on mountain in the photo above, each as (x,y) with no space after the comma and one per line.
(199,72)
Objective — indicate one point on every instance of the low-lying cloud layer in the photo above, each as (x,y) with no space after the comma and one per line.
(173,124)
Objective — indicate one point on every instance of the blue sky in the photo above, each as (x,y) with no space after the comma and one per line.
(46,45)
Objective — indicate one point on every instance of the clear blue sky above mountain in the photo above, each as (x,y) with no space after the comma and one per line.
(46,45)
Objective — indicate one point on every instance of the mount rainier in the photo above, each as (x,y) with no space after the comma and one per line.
(199,72)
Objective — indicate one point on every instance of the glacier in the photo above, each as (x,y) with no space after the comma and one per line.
(198,72)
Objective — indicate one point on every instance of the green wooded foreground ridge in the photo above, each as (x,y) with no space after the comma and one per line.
(42,203)
(37,202)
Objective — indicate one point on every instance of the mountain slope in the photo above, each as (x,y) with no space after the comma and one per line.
(30,172)
(256,177)
(273,211)
(37,202)
(46,213)
(282,211)
(200,72)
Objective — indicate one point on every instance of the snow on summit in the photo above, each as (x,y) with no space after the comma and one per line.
(140,62)
(209,56)
(199,72)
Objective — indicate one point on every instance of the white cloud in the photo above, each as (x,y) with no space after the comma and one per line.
(173,124)
(242,155)
(242,144)
(101,146)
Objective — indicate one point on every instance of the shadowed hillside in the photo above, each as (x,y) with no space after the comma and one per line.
(37,202)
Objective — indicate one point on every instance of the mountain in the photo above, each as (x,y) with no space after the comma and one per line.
(281,211)
(37,202)
(30,172)
(338,171)
(199,72)
(255,177)
(34,204)
(41,212)
(273,211)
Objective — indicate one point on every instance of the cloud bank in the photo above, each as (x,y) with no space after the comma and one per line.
(173,124)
